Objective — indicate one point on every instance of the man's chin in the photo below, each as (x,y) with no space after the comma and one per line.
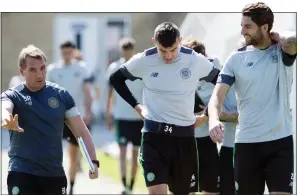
(168,61)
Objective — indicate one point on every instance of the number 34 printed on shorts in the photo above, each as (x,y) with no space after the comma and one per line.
(168,129)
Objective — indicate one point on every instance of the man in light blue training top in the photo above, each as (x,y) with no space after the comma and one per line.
(262,74)
(170,74)
(34,112)
(215,171)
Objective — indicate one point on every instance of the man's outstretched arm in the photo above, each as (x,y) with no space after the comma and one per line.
(8,121)
(6,110)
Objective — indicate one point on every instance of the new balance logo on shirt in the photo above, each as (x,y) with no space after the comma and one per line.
(154,74)
(250,64)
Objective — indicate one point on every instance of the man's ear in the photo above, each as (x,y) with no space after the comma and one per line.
(21,71)
(154,41)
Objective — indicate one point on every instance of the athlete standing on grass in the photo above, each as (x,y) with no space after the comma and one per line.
(128,123)
(73,76)
(34,112)
(170,74)
(262,74)
(215,171)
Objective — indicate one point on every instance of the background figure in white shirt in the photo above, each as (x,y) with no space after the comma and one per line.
(215,169)
(170,74)
(74,77)
(15,80)
(128,123)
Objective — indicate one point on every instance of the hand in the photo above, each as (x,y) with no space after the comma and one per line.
(139,109)
(109,121)
(216,131)
(200,120)
(88,118)
(95,174)
(12,124)
(275,36)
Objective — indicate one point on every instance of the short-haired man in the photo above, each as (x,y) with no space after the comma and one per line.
(34,112)
(170,74)
(262,74)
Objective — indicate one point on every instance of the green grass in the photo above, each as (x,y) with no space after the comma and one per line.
(109,167)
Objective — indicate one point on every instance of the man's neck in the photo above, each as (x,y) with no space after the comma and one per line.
(33,89)
(67,63)
(267,42)
(127,59)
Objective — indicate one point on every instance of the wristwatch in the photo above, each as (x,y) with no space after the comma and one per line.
(96,162)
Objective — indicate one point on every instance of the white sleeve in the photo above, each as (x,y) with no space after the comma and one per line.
(216,63)
(72,112)
(134,68)
(85,73)
(111,69)
(205,68)
(6,103)
(227,75)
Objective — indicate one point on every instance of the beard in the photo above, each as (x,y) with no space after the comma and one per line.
(254,40)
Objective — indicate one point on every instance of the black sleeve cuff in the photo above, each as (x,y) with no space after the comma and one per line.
(212,76)
(198,102)
(127,74)
(288,59)
(117,80)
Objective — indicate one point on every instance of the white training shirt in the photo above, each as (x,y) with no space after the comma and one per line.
(169,89)
(71,77)
(121,109)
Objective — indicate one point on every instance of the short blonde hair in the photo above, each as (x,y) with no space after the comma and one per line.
(30,51)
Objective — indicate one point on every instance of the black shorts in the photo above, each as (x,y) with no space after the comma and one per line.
(128,131)
(208,165)
(170,160)
(271,162)
(24,184)
(68,135)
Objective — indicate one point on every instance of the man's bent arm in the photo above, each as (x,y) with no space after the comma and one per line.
(7,108)
(88,97)
(289,43)
(109,98)
(289,48)
(217,100)
(117,80)
(79,129)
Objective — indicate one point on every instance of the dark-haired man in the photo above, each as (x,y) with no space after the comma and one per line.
(170,74)
(262,74)
(73,76)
